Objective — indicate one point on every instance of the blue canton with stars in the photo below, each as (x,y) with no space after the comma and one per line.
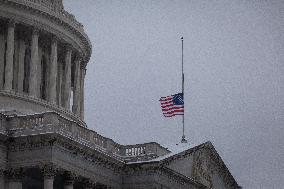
(178,99)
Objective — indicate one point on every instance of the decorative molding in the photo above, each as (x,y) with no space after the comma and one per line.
(49,170)
(69,178)
(11,23)
(15,174)
(2,173)
(202,170)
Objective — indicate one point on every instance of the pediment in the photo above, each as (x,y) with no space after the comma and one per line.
(203,164)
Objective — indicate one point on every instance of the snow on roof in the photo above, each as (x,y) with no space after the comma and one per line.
(175,149)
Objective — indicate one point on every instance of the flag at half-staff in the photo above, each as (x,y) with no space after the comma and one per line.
(172,105)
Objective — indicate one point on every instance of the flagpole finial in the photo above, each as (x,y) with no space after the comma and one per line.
(181,38)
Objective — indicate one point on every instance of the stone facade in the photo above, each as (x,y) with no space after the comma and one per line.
(44,141)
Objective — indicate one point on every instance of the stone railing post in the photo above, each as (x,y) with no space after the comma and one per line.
(122,150)
(13,123)
(2,124)
(149,149)
(109,145)
(52,120)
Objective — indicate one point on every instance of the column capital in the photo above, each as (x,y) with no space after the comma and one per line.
(68,47)
(78,60)
(35,31)
(11,23)
(15,174)
(49,170)
(54,39)
(88,184)
(2,172)
(69,177)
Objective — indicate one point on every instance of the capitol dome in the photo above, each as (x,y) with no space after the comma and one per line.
(43,55)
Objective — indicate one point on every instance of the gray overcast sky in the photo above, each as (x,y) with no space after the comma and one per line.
(234,76)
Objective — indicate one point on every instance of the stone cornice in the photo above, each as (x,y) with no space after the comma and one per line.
(44,141)
(156,169)
(179,178)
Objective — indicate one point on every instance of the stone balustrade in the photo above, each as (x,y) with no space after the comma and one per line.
(51,122)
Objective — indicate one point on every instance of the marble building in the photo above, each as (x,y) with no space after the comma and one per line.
(44,141)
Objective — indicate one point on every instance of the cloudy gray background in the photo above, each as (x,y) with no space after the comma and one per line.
(234,76)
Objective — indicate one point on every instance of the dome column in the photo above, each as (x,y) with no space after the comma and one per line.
(52,78)
(77,88)
(2,54)
(22,50)
(83,74)
(9,56)
(67,79)
(33,79)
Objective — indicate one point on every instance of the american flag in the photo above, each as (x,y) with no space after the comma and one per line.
(172,105)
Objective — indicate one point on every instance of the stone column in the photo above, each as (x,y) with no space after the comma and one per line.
(59,84)
(49,173)
(52,78)
(67,79)
(2,179)
(76,89)
(16,65)
(47,75)
(22,51)
(9,56)
(2,54)
(68,180)
(83,73)
(33,79)
(39,74)
(15,178)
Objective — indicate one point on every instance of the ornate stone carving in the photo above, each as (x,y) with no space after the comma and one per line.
(11,23)
(69,177)
(49,170)
(2,171)
(15,174)
(88,184)
(202,168)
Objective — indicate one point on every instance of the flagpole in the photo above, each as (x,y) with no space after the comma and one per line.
(183,140)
